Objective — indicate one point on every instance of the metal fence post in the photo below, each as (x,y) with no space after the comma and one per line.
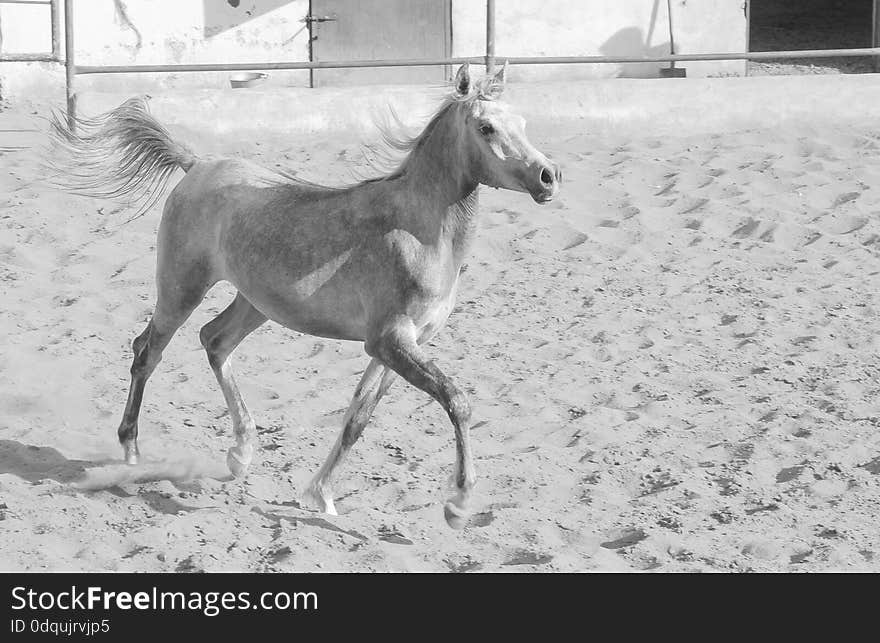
(875,33)
(56,36)
(490,36)
(69,64)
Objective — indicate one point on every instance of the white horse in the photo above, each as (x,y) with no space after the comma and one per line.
(377,262)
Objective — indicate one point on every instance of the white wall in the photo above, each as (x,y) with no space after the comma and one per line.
(603,28)
(197,31)
(143,32)
(192,31)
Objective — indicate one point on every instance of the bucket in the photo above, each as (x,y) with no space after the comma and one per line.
(247,79)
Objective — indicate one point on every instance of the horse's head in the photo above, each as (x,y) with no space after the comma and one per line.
(496,139)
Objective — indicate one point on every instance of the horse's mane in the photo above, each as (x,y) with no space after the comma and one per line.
(397,143)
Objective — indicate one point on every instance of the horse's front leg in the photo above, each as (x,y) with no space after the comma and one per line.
(373,385)
(396,344)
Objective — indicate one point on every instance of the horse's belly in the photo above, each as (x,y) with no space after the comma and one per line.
(335,318)
(323,306)
(295,277)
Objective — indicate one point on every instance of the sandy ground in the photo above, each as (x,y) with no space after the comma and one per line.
(673,368)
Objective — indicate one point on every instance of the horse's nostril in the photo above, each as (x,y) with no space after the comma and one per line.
(546,177)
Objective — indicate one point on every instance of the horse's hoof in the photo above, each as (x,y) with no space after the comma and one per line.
(131,454)
(456,517)
(238,459)
(321,502)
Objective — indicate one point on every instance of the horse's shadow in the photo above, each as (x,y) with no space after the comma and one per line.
(36,464)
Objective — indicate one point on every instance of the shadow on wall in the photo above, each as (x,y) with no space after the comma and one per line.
(222,15)
(631,41)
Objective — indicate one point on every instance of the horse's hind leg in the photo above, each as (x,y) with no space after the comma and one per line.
(373,385)
(173,306)
(220,336)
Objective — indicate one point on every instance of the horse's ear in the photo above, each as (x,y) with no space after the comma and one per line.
(501,75)
(495,86)
(462,81)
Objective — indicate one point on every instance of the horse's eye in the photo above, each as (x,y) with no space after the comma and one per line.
(486,129)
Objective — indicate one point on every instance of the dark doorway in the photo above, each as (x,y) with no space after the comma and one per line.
(777,25)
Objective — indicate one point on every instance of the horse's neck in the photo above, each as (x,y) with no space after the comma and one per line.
(442,185)
(461,222)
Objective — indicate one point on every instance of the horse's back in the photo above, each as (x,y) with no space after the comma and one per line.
(214,194)
(216,176)
(286,245)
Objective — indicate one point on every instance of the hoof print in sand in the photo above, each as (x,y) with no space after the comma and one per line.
(393,536)
(187,566)
(789,473)
(525,557)
(625,538)
(482,519)
(467,565)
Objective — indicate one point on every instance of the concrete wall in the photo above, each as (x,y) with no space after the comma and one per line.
(194,31)
(603,28)
(142,32)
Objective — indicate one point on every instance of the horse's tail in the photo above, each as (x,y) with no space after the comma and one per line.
(123,154)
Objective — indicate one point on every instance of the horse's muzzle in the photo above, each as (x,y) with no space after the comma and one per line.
(549,178)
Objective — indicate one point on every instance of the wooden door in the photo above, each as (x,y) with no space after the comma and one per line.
(380,30)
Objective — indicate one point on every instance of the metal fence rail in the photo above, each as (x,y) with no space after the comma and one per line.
(513,60)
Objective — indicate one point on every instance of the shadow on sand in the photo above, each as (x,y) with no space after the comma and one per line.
(35,464)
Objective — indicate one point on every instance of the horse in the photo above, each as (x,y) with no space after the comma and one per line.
(376,262)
